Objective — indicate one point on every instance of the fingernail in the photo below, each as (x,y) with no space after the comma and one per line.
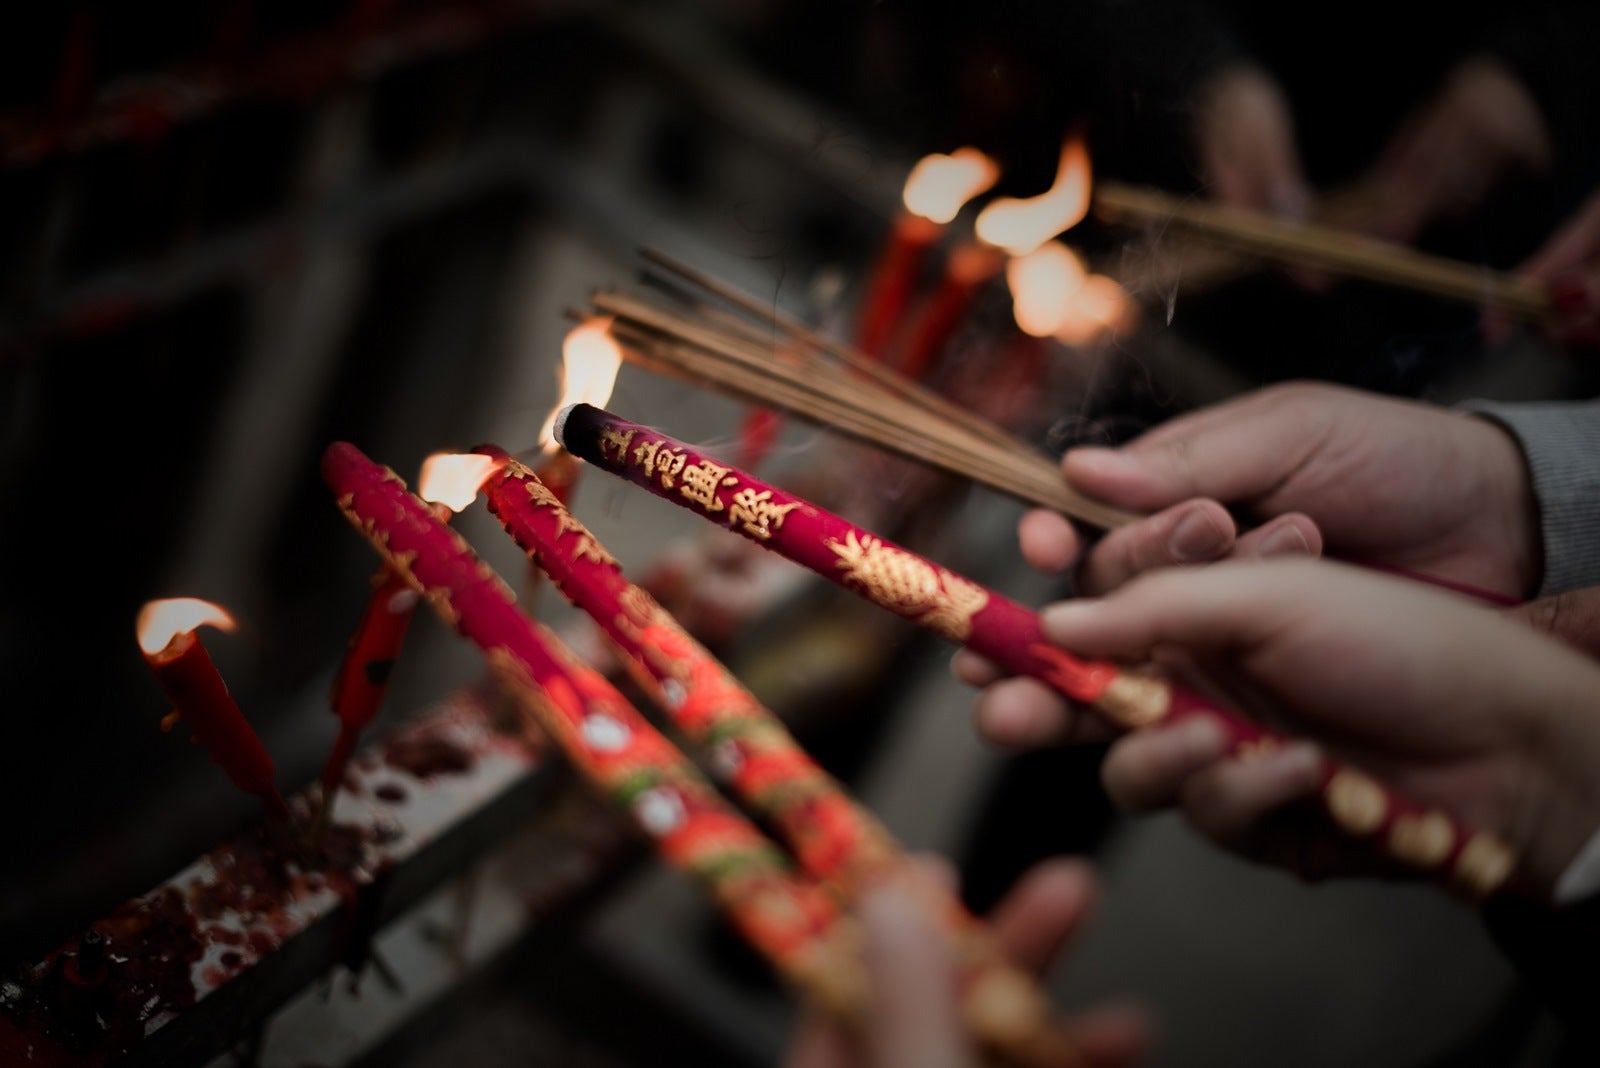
(1064,615)
(1287,540)
(1198,536)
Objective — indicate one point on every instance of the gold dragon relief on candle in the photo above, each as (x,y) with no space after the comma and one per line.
(905,583)
(758,513)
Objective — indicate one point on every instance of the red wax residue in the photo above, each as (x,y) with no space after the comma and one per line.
(428,755)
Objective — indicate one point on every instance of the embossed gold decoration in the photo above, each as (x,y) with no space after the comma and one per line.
(909,585)
(1356,801)
(701,482)
(657,458)
(757,512)
(439,598)
(617,441)
(1484,864)
(1133,700)
(1421,841)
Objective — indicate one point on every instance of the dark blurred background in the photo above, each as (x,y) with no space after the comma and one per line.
(231,232)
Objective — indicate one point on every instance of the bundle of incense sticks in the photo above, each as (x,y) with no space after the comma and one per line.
(1422,837)
(787,917)
(762,356)
(1327,248)
(836,840)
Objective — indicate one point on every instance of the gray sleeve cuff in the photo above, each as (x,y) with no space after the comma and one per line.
(1561,443)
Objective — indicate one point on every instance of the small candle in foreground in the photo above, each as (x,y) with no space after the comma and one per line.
(166,631)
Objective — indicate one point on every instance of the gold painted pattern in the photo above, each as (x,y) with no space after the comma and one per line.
(1356,801)
(1133,700)
(758,513)
(615,440)
(1421,841)
(701,483)
(907,584)
(1483,866)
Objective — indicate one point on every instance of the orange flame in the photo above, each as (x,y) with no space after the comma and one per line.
(939,185)
(1043,284)
(590,359)
(453,479)
(161,621)
(1020,226)
(1099,307)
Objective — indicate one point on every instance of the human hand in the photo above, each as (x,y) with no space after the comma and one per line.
(1370,478)
(914,1018)
(1447,702)
(1480,128)
(1244,137)
(1569,266)
(1572,617)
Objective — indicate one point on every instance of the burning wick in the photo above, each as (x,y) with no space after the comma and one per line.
(449,482)
(590,360)
(935,191)
(1021,226)
(166,633)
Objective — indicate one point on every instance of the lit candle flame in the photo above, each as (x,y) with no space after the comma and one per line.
(161,621)
(590,359)
(939,185)
(1020,226)
(1100,306)
(453,479)
(1043,284)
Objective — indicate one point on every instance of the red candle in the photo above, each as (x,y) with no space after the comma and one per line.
(363,677)
(788,919)
(967,270)
(935,191)
(892,280)
(451,483)
(166,631)
(835,839)
(1006,632)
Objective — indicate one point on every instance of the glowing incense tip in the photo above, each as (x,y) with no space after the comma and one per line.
(939,185)
(590,359)
(453,479)
(161,621)
(1020,226)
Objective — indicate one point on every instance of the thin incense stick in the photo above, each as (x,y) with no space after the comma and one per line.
(1328,248)
(899,419)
